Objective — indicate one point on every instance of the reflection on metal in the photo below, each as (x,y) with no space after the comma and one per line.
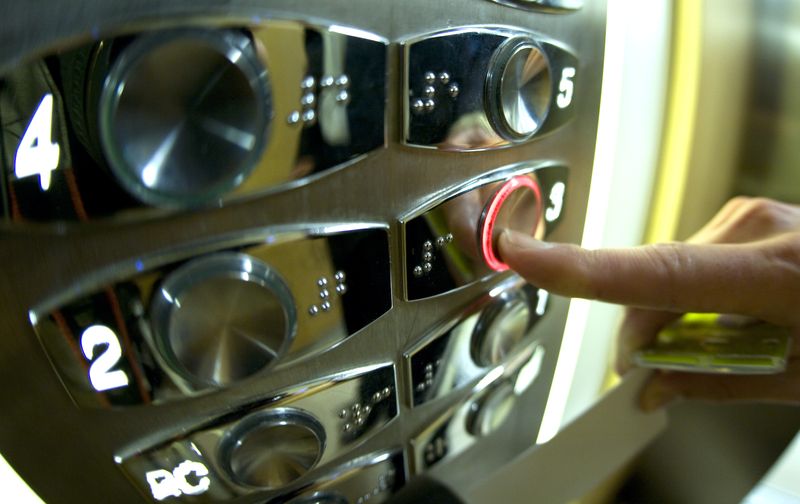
(547,5)
(222,318)
(372,478)
(262,449)
(222,312)
(272,449)
(489,405)
(435,263)
(467,348)
(478,88)
(204,113)
(182,138)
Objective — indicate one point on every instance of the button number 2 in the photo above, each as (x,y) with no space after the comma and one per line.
(37,154)
(100,374)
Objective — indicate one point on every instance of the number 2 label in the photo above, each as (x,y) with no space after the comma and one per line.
(37,154)
(101,376)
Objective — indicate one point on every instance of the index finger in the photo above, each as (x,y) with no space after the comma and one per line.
(759,279)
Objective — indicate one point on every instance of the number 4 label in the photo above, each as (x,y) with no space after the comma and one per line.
(37,154)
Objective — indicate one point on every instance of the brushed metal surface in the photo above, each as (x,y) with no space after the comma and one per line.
(66,453)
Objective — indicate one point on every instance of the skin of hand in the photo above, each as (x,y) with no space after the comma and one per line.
(744,261)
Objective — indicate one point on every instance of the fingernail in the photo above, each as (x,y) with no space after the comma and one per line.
(656,395)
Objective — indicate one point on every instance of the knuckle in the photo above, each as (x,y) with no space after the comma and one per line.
(765,213)
(670,263)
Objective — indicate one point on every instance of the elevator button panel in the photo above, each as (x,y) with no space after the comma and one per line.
(163,329)
(491,403)
(478,88)
(278,448)
(186,117)
(464,350)
(452,241)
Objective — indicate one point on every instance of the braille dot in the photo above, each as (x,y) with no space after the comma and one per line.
(313,310)
(449,237)
(341,289)
(417,271)
(308,99)
(427,257)
(309,117)
(427,246)
(326,306)
(440,242)
(342,97)
(430,105)
(429,91)
(343,81)
(376,397)
(347,427)
(418,106)
(327,81)
(420,387)
(453,90)
(339,276)
(367,409)
(386,392)
(343,413)
(427,267)
(322,282)
(444,77)
(430,77)
(308,83)
(293,118)
(324,294)
(428,367)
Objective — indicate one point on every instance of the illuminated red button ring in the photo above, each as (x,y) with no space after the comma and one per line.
(515,205)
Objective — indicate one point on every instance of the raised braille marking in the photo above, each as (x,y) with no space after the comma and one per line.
(440,242)
(308,100)
(326,306)
(308,83)
(339,276)
(453,90)
(444,77)
(427,257)
(342,97)
(343,81)
(341,289)
(429,77)
(313,310)
(326,82)
(427,246)
(429,91)
(309,117)
(430,105)
(293,118)
(418,271)
(418,106)
(322,282)
(427,267)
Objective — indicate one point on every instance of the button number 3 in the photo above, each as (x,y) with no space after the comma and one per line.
(37,154)
(556,202)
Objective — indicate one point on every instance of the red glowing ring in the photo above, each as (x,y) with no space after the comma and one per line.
(493,208)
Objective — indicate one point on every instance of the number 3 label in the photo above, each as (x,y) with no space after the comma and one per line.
(37,154)
(566,87)
(100,374)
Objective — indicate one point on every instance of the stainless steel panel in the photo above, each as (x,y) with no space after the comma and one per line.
(155,329)
(270,449)
(45,262)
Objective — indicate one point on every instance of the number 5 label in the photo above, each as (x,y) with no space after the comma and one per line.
(37,154)
(566,87)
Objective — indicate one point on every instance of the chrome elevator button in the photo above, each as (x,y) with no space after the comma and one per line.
(272,449)
(184,115)
(222,318)
(515,205)
(500,328)
(451,241)
(519,89)
(491,412)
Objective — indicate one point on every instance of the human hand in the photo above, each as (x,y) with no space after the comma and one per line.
(745,261)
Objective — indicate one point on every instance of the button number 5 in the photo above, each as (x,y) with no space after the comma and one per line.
(566,86)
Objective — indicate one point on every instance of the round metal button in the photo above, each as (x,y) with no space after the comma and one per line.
(222,318)
(499,330)
(516,205)
(184,115)
(491,413)
(272,449)
(519,89)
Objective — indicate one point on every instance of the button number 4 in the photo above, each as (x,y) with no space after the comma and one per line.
(37,154)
